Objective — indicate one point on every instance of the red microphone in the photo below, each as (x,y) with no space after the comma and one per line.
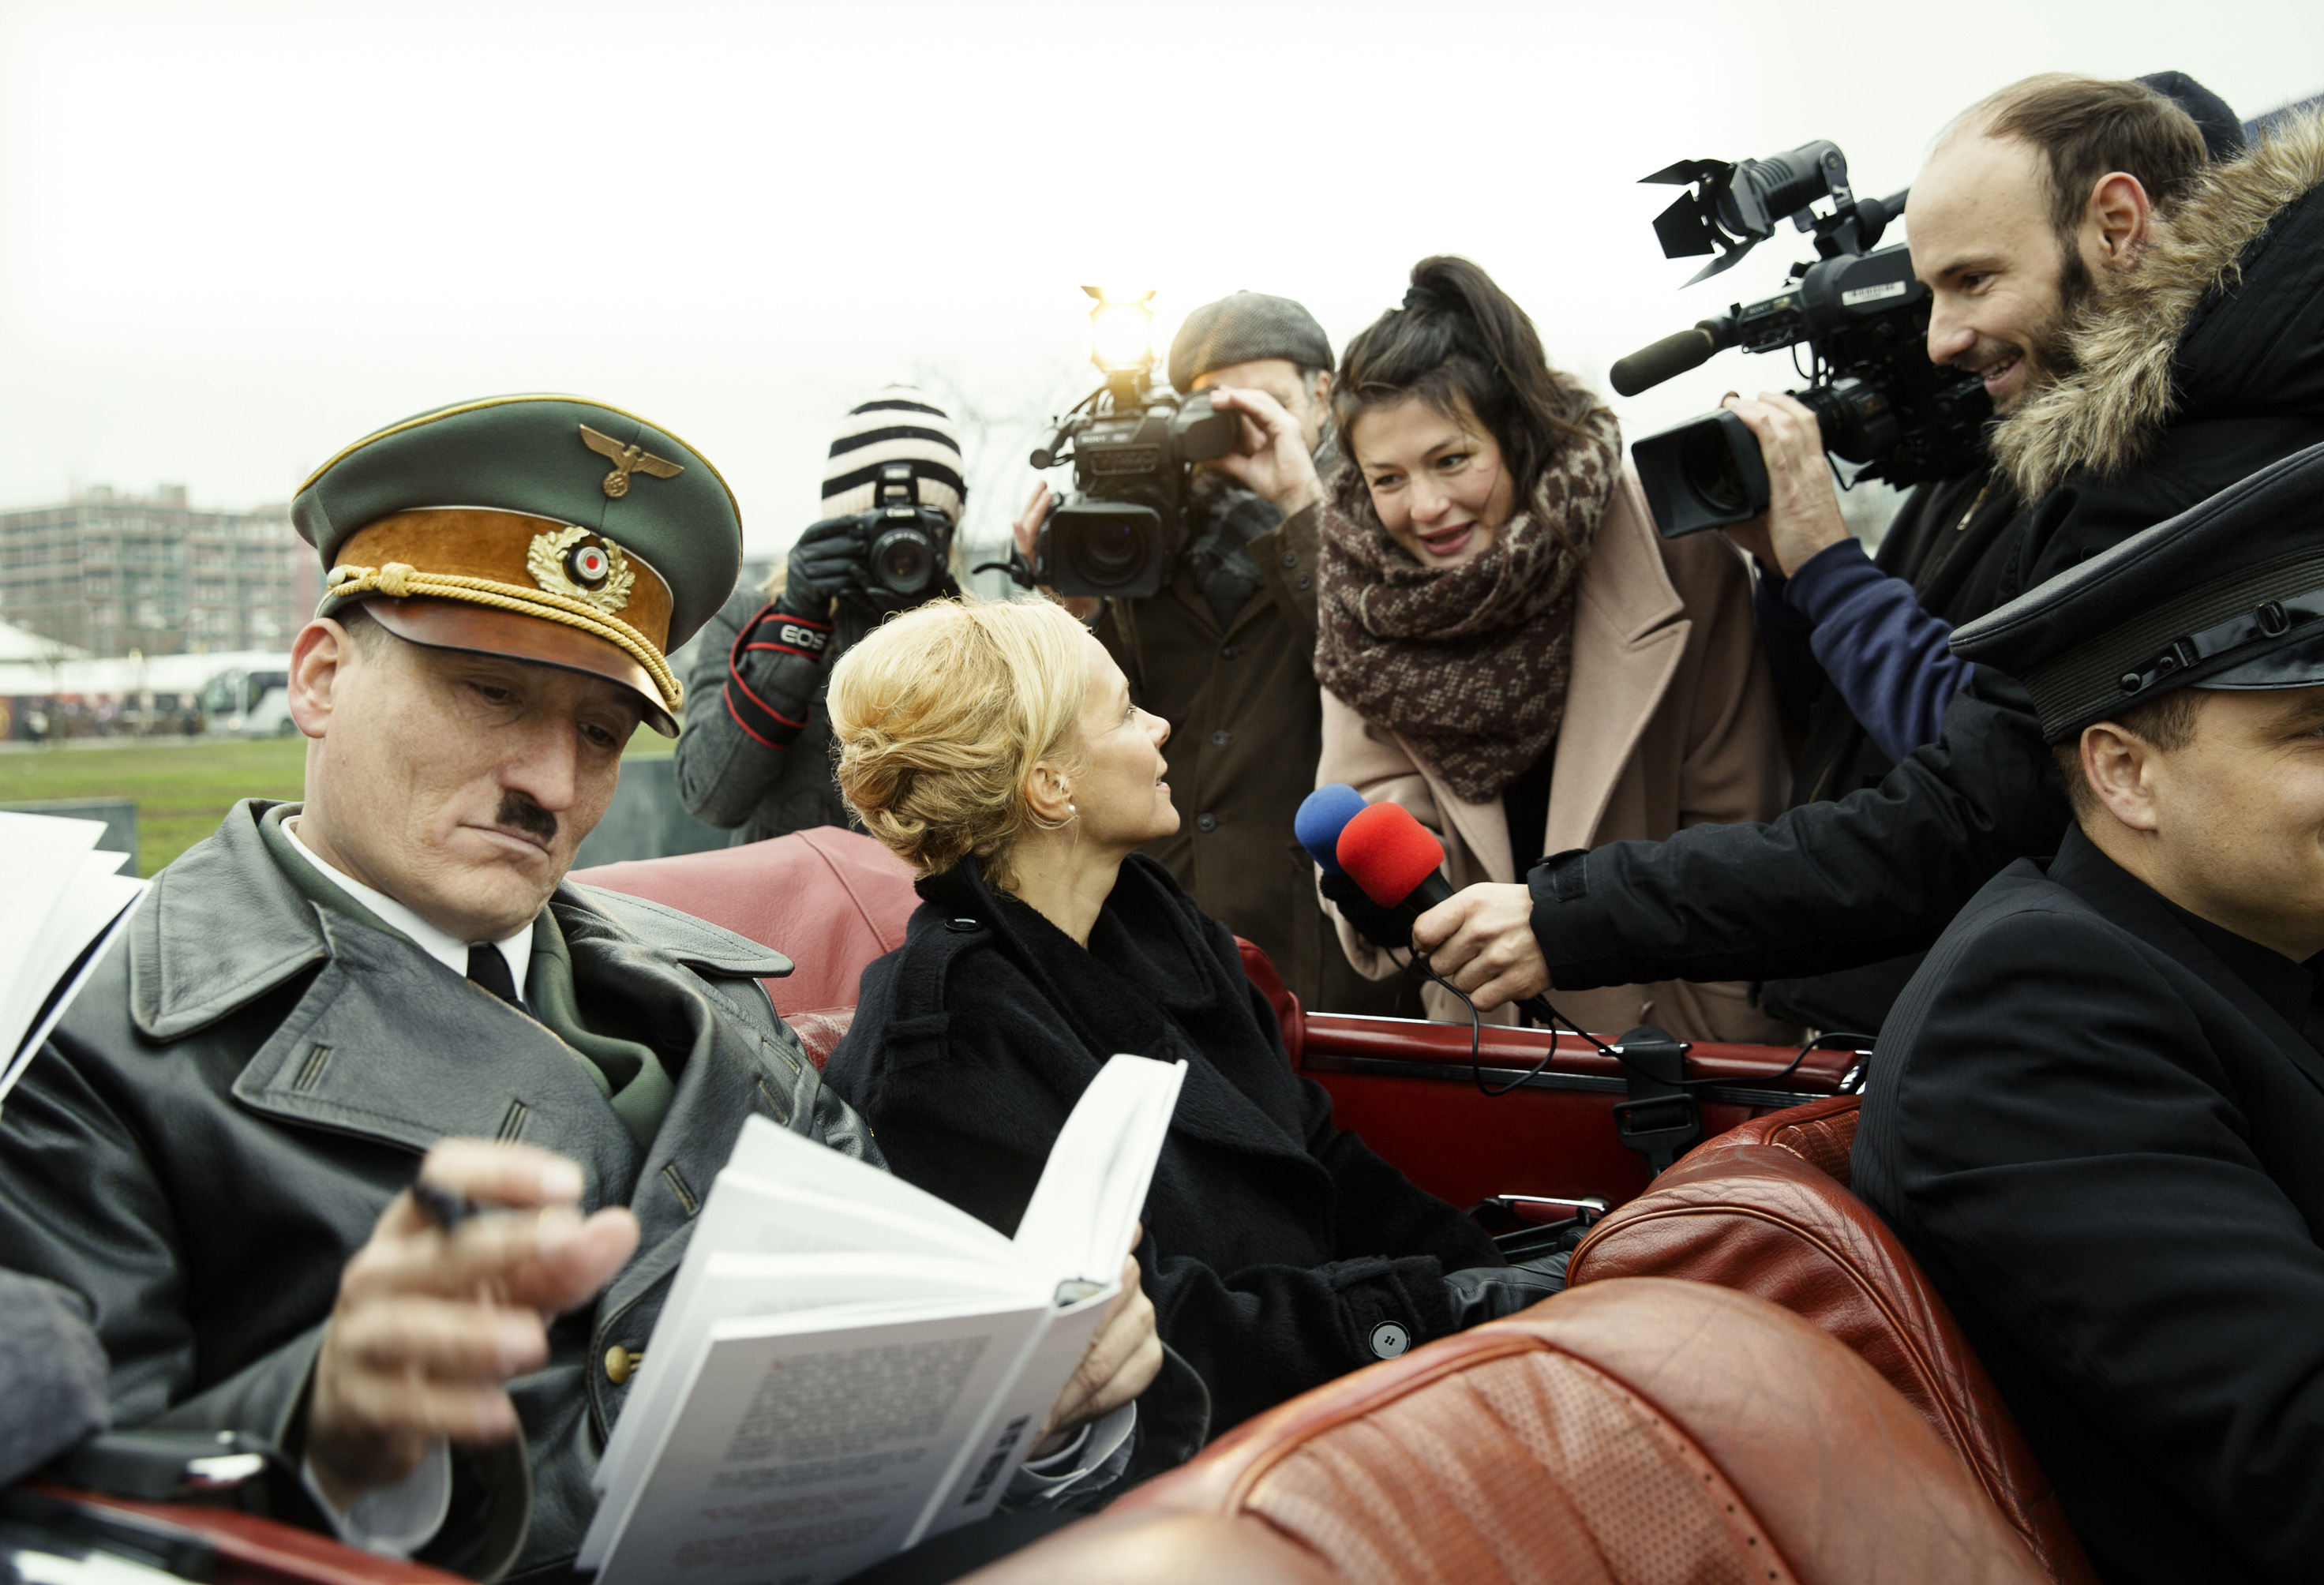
(1394,858)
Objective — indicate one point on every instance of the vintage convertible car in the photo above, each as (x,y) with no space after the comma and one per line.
(1800,1406)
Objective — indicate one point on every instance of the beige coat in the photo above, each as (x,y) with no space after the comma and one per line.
(1670,721)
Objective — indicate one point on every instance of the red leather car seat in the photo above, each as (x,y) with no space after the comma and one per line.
(1765,1210)
(832,901)
(1641,1430)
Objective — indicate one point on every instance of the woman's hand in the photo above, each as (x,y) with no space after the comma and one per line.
(1120,1363)
(1802,508)
(1027,528)
(1273,460)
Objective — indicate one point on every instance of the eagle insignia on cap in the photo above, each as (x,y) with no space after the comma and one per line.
(626,460)
(578,564)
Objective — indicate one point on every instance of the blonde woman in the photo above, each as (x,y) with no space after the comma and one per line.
(995,747)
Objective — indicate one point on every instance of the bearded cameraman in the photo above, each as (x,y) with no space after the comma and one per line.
(755,755)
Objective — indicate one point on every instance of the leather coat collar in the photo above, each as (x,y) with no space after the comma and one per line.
(222,925)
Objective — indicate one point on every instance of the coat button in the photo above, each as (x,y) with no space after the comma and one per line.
(1304,581)
(620,1361)
(1389,1340)
(1228,651)
(1206,822)
(1222,738)
(961,926)
(1291,558)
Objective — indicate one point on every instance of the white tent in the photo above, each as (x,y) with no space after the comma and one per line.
(16,644)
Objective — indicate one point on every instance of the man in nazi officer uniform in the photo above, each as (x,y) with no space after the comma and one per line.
(392,978)
(2096,1115)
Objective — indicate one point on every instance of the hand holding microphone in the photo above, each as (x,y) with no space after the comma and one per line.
(1383,868)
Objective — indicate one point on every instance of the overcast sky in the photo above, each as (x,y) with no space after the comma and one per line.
(234,237)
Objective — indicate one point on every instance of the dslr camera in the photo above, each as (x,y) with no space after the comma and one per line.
(1861,313)
(1133,449)
(905,544)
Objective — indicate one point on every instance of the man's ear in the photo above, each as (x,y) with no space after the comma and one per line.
(2118,764)
(2115,223)
(319,656)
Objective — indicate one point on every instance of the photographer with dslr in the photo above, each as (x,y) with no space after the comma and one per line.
(2191,363)
(1224,651)
(755,756)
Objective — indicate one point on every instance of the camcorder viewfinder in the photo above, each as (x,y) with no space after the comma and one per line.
(1133,449)
(905,544)
(1861,313)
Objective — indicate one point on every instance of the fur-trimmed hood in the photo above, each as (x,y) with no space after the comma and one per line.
(2202,328)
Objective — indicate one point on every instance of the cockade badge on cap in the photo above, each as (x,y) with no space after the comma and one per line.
(578,564)
(626,460)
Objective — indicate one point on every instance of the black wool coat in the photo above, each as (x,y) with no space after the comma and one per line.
(1276,1246)
(2093,1119)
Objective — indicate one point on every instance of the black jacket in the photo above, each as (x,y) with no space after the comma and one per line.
(1275,1244)
(2205,364)
(2095,1121)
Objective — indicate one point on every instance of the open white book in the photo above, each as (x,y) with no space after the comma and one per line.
(60,902)
(847,1365)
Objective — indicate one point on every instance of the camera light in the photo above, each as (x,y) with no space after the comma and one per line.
(1122,329)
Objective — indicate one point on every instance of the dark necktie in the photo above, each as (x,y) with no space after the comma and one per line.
(488,967)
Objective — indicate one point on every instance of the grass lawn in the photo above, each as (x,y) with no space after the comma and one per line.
(183,788)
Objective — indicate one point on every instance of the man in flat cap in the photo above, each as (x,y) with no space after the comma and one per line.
(1225,653)
(322,1000)
(2095,1114)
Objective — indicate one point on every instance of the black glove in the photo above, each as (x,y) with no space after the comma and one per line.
(1387,927)
(771,673)
(1488,1292)
(826,563)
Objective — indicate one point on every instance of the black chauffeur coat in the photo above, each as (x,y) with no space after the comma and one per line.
(1276,1246)
(2095,1121)
(248,1079)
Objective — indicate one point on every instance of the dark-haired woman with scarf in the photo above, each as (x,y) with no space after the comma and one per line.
(1508,647)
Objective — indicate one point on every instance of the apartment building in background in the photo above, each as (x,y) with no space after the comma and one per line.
(111,573)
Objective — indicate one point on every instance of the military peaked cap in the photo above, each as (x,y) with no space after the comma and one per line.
(551,529)
(2227,595)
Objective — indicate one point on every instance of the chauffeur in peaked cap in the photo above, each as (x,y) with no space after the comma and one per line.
(393,977)
(2094,1115)
(547,528)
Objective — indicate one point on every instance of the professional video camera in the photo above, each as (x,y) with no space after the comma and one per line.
(1132,448)
(906,544)
(1878,400)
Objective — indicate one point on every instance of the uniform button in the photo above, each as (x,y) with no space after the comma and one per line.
(1389,1340)
(620,1361)
(1221,738)
(1291,558)
(1303,580)
(1206,822)
(1228,651)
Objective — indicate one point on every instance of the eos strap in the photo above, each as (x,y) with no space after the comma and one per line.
(774,643)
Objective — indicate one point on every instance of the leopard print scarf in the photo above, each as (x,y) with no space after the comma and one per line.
(1470,665)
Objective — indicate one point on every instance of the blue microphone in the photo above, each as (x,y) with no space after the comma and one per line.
(1323,815)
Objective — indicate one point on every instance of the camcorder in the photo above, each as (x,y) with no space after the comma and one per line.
(905,544)
(1861,313)
(1133,449)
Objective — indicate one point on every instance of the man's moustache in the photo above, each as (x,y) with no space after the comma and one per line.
(518,810)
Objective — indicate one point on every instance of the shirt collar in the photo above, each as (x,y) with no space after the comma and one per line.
(446,948)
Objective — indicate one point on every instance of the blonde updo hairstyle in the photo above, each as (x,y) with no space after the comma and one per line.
(938,718)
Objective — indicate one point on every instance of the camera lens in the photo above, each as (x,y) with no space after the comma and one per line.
(1708,463)
(1112,550)
(903,561)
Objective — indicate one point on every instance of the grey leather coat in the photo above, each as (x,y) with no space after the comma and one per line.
(247,1080)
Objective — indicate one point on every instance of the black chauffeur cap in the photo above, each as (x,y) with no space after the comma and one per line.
(2227,595)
